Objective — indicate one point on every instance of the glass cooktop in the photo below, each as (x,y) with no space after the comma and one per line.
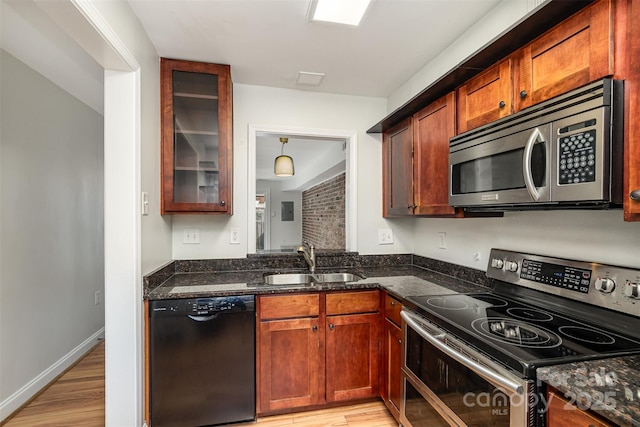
(519,335)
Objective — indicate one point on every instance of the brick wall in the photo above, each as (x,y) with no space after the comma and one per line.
(323,209)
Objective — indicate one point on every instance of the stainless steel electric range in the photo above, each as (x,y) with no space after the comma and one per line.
(471,359)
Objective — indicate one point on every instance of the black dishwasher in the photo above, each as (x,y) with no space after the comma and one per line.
(202,361)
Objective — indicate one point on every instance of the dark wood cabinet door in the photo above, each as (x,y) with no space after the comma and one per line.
(352,356)
(576,52)
(433,126)
(197,143)
(397,170)
(290,364)
(392,387)
(486,97)
(561,413)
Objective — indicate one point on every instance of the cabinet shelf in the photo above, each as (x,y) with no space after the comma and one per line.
(195,95)
(196,132)
(196,169)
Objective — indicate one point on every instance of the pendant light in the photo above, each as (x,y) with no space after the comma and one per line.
(283,165)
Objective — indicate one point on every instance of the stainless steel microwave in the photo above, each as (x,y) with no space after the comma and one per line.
(565,152)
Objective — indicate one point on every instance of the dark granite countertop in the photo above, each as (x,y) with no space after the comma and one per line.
(609,387)
(400,281)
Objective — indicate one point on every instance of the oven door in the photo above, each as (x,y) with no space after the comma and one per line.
(446,383)
(502,170)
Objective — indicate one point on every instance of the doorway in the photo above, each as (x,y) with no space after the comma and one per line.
(350,138)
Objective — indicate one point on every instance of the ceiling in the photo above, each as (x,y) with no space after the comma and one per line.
(267,42)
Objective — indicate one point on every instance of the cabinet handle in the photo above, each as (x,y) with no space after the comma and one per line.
(315,328)
(222,203)
(331,326)
(635,195)
(393,303)
(502,104)
(399,341)
(409,207)
(523,94)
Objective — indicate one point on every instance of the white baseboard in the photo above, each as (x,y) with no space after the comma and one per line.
(26,392)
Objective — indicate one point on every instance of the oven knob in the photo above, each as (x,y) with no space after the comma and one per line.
(605,285)
(511,266)
(632,290)
(497,263)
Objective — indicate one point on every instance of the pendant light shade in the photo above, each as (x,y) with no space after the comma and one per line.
(283,166)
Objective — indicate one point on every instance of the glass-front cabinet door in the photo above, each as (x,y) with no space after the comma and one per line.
(196,137)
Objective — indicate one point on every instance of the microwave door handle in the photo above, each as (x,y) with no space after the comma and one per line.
(535,136)
(499,381)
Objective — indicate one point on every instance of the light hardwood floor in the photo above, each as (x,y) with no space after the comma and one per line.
(74,399)
(77,399)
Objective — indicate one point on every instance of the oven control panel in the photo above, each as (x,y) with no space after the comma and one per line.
(561,276)
(613,287)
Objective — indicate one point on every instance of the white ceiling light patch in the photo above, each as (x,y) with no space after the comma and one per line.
(311,79)
(348,12)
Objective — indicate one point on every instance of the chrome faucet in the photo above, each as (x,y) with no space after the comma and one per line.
(309,256)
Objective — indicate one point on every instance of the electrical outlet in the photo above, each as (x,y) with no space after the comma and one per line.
(234,237)
(385,236)
(442,240)
(96,298)
(191,236)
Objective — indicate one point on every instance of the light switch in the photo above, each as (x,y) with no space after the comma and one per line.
(145,203)
(385,236)
(191,236)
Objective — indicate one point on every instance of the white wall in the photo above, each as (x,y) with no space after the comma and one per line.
(52,231)
(260,105)
(595,236)
(282,233)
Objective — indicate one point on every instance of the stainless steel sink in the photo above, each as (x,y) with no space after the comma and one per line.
(288,279)
(338,277)
(307,278)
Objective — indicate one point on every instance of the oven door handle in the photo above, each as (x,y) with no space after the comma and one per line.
(535,136)
(497,380)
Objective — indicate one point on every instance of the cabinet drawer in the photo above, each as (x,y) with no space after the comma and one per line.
(289,306)
(353,302)
(392,308)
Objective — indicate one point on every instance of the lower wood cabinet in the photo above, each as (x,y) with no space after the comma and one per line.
(561,413)
(290,367)
(352,356)
(391,389)
(317,348)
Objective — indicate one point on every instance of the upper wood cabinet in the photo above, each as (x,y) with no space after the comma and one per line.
(631,185)
(416,162)
(486,97)
(397,170)
(197,138)
(572,54)
(576,52)
(433,126)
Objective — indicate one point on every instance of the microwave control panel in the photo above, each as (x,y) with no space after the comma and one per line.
(577,158)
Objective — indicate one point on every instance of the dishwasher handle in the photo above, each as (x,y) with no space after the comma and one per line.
(203,318)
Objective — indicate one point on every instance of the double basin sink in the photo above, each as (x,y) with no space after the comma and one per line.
(309,279)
